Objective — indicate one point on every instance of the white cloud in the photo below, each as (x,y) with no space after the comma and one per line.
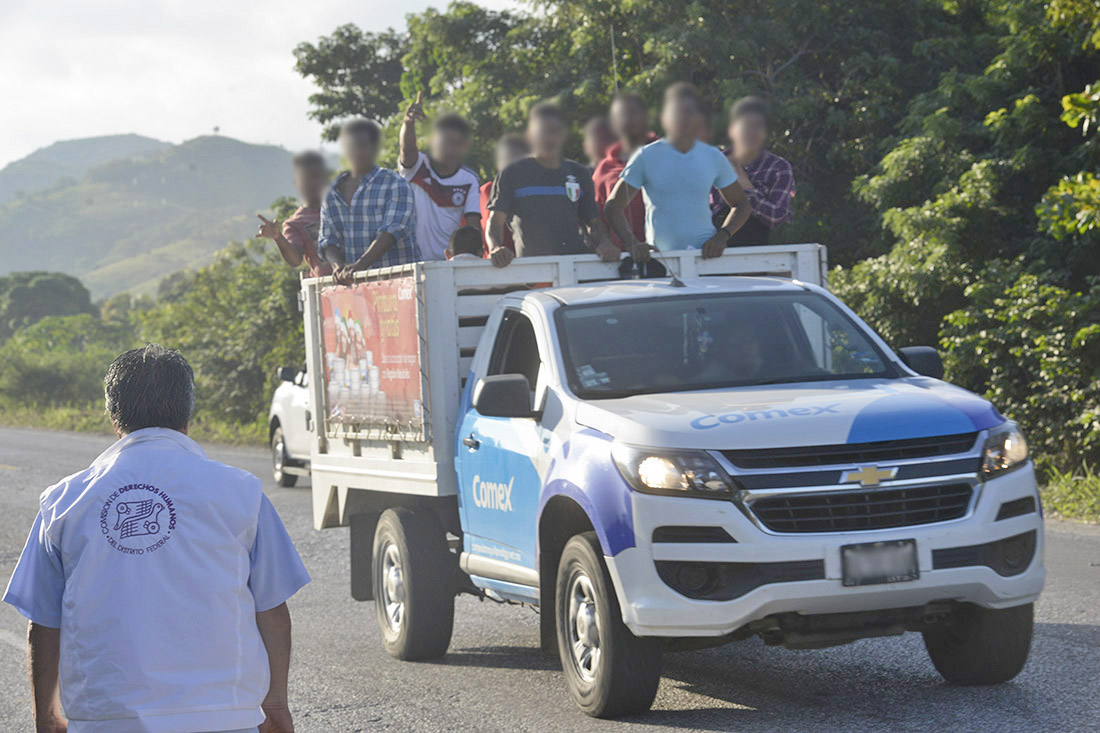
(169,69)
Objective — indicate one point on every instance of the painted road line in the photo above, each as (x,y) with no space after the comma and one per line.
(6,467)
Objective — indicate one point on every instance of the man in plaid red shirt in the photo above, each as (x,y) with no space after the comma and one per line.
(768,179)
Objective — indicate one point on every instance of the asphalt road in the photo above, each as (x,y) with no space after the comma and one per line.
(495,679)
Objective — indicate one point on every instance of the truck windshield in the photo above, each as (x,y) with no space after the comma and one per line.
(712,341)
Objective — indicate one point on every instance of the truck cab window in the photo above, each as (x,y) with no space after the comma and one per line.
(516,351)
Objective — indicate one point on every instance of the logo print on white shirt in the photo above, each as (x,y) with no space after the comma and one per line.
(137,518)
(458,197)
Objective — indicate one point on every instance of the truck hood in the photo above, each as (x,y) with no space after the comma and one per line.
(789,415)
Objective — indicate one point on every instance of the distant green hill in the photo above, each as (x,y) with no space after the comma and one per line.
(131,221)
(70,159)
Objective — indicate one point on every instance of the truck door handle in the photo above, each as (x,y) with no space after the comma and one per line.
(471,442)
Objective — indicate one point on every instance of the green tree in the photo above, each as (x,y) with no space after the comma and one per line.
(28,297)
(235,320)
(838,74)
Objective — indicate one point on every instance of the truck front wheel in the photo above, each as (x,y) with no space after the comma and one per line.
(981,646)
(413,584)
(609,671)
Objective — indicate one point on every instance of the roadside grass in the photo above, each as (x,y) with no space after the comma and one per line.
(92,419)
(1073,494)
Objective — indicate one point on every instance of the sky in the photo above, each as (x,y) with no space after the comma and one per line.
(168,69)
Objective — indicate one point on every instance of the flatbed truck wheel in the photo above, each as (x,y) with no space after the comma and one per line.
(609,671)
(279,460)
(981,646)
(413,579)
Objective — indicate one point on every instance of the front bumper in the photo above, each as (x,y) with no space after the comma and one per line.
(650,607)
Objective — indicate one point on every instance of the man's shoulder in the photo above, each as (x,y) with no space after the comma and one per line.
(576,168)
(778,162)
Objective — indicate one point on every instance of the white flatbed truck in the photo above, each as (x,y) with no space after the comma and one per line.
(725,452)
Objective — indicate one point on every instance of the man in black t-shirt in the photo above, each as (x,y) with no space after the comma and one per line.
(546,200)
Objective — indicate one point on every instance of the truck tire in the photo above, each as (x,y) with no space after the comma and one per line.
(413,579)
(609,671)
(981,646)
(279,459)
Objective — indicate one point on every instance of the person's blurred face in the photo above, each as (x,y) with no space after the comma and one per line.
(310,182)
(508,153)
(448,146)
(360,151)
(629,120)
(680,118)
(597,139)
(546,135)
(749,133)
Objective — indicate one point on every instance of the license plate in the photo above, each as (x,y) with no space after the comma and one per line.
(871,563)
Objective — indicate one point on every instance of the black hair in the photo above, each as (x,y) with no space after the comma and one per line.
(453,122)
(750,106)
(514,140)
(682,90)
(362,127)
(546,110)
(150,387)
(630,98)
(466,240)
(597,121)
(308,159)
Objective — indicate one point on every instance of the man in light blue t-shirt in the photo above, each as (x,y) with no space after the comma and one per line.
(675,175)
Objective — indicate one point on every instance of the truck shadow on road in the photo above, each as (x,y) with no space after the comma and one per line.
(872,684)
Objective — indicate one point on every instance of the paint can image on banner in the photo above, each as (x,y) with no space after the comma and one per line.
(372,354)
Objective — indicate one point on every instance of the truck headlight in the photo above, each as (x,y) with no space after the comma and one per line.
(674,473)
(1005,449)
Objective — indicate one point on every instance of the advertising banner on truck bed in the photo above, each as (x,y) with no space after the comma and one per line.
(372,355)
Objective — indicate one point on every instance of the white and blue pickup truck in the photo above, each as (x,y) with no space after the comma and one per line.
(663,464)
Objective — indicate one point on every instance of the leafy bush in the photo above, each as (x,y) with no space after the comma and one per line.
(1032,348)
(235,320)
(60,360)
(1073,494)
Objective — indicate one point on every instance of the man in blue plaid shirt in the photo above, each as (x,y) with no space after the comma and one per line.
(367,219)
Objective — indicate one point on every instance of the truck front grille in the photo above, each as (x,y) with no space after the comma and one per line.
(848,511)
(852,453)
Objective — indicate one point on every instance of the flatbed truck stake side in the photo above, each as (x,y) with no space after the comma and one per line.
(674,463)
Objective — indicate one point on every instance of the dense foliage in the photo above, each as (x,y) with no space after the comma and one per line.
(236,320)
(945,150)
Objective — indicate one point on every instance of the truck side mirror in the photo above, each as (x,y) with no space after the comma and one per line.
(503,395)
(286,374)
(923,360)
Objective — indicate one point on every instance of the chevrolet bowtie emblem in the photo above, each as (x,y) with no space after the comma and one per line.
(869,475)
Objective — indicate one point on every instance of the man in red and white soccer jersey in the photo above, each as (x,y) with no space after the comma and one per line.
(445,192)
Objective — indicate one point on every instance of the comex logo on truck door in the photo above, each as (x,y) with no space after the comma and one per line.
(490,495)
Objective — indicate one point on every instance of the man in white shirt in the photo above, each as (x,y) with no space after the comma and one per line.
(446,193)
(156,580)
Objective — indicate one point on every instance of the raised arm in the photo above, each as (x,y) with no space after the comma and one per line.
(409,152)
(273,231)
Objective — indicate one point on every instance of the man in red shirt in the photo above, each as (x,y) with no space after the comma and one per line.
(630,123)
(297,237)
(510,148)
